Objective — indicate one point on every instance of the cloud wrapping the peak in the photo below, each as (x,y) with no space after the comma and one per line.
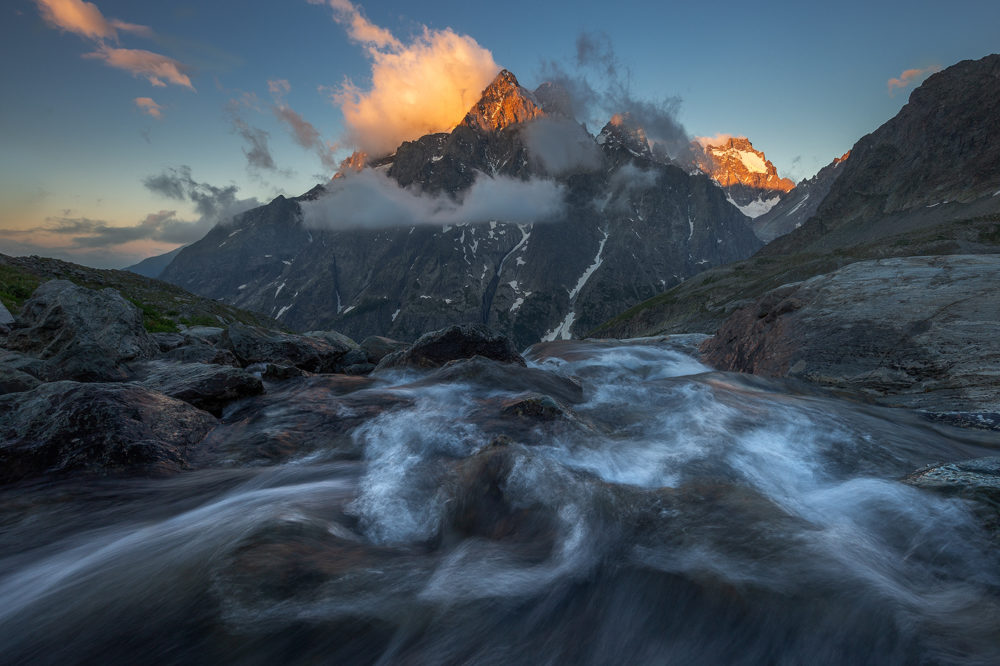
(717,140)
(426,85)
(909,77)
(369,199)
(599,86)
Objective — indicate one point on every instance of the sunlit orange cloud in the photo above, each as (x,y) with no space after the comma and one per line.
(420,87)
(717,140)
(148,105)
(84,19)
(154,67)
(359,28)
(909,76)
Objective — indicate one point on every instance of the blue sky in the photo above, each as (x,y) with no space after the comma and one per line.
(803,81)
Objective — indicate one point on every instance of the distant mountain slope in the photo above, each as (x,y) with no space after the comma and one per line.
(630,228)
(799,204)
(164,306)
(153,266)
(925,183)
(937,160)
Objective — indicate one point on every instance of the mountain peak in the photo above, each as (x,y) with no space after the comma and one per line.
(733,160)
(503,103)
(622,133)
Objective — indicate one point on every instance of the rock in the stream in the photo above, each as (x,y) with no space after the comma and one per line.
(208,387)
(99,428)
(377,347)
(918,332)
(335,338)
(257,345)
(534,407)
(86,335)
(197,351)
(978,478)
(507,377)
(432,350)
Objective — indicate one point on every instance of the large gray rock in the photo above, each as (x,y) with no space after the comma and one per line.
(917,332)
(432,350)
(208,387)
(256,345)
(63,427)
(86,335)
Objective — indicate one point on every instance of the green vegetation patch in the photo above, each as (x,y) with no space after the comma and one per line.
(16,286)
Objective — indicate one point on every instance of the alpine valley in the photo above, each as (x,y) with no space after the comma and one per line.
(517,393)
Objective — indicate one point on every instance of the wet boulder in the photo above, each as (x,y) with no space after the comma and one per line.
(534,407)
(98,428)
(482,504)
(433,350)
(86,335)
(978,478)
(257,345)
(205,386)
(494,375)
(197,351)
(377,347)
(333,338)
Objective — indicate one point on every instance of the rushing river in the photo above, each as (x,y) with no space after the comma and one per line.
(636,508)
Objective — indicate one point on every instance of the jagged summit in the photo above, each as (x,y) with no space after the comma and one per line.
(621,134)
(736,162)
(503,103)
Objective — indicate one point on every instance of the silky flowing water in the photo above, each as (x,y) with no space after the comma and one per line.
(649,510)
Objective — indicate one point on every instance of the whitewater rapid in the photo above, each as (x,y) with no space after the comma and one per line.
(651,511)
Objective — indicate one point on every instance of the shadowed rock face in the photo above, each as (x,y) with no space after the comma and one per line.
(86,335)
(917,332)
(98,428)
(937,159)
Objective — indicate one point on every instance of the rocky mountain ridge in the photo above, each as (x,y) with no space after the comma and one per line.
(936,161)
(629,228)
(927,182)
(750,179)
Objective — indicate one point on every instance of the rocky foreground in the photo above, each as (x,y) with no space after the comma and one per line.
(86,389)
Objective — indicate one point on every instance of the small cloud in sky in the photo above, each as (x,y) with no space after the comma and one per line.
(154,67)
(304,132)
(86,20)
(909,77)
(418,87)
(149,106)
(81,18)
